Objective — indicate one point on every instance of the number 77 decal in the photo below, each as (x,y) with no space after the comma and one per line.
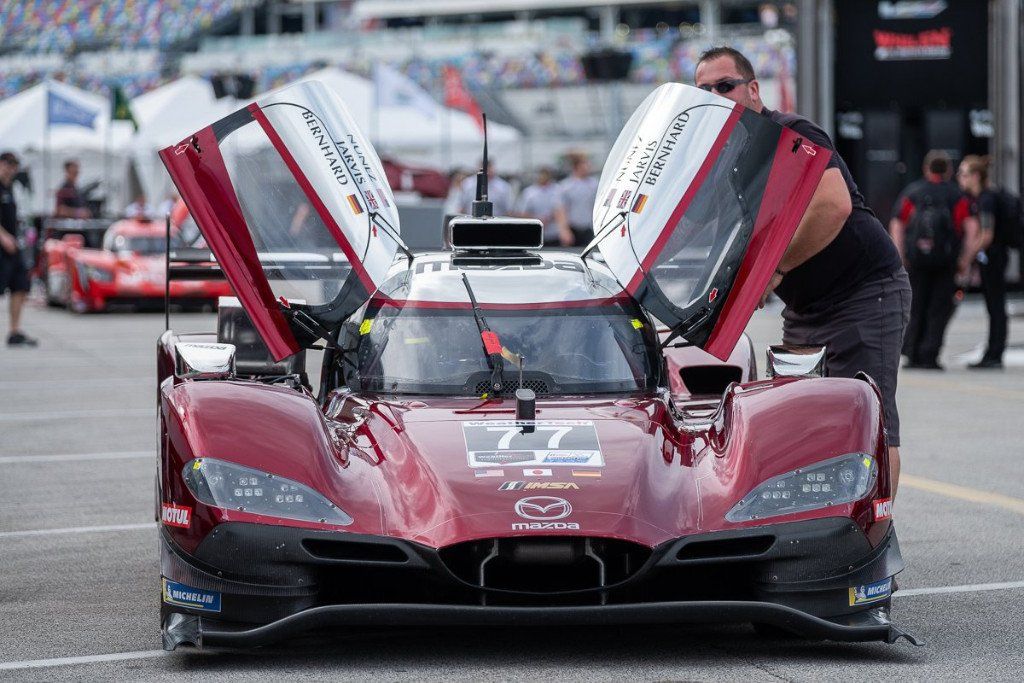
(504,443)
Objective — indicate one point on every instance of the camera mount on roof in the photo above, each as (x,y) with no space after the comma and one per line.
(483,232)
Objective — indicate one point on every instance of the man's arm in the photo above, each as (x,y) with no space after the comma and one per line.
(973,242)
(829,208)
(898,232)
(7,242)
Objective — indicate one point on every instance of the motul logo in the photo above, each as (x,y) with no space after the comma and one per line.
(176,515)
(883,509)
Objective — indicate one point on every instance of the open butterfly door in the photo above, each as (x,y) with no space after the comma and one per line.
(697,203)
(294,203)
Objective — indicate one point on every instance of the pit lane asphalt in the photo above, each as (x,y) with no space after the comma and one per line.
(77,437)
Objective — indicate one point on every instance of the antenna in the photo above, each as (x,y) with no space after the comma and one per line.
(481,207)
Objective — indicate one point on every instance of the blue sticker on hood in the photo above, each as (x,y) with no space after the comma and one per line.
(194,598)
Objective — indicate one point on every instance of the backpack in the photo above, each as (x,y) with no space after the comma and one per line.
(930,242)
(1010,220)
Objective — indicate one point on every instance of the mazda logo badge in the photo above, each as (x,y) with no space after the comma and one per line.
(543,507)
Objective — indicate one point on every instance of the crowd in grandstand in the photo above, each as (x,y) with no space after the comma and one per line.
(60,25)
(45,27)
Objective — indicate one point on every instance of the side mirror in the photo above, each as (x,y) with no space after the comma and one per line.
(796,361)
(193,360)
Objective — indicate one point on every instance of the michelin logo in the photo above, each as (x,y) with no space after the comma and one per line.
(870,592)
(194,598)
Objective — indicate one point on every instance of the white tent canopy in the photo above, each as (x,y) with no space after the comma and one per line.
(411,136)
(101,147)
(165,116)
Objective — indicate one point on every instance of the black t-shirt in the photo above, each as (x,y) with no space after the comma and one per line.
(8,209)
(861,252)
(998,205)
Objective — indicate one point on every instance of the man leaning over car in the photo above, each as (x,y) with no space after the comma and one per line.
(841,278)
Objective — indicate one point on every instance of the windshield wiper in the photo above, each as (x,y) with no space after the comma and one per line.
(492,345)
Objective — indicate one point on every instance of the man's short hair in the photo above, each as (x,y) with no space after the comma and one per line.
(69,163)
(743,65)
(10,158)
(937,161)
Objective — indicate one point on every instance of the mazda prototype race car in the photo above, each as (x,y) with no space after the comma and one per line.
(127,268)
(499,433)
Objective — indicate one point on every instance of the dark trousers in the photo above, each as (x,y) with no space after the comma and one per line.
(861,333)
(930,312)
(993,284)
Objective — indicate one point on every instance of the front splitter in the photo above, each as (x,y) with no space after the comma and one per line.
(872,625)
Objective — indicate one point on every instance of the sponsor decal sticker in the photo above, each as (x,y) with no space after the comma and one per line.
(489,473)
(870,592)
(883,509)
(610,197)
(545,526)
(586,473)
(539,485)
(532,444)
(353,203)
(638,205)
(173,514)
(383,197)
(503,457)
(537,472)
(194,598)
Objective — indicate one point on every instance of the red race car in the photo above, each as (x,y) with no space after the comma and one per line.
(126,267)
(501,434)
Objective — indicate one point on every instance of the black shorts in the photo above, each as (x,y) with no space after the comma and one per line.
(862,333)
(13,273)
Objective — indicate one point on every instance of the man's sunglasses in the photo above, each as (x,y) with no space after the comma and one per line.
(725,87)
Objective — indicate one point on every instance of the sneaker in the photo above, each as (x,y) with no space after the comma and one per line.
(21,339)
(987,364)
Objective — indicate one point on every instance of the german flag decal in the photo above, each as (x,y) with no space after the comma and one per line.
(638,205)
(353,203)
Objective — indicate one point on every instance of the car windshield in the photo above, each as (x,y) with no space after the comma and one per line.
(599,349)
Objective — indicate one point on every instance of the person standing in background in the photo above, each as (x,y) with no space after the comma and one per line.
(998,214)
(541,200)
(70,202)
(13,273)
(499,193)
(937,238)
(578,192)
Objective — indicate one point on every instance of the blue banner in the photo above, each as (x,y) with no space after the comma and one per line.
(62,110)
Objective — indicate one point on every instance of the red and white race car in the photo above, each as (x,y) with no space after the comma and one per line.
(126,267)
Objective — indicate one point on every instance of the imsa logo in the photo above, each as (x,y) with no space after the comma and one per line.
(531,485)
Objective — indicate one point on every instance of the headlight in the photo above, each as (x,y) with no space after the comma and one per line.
(234,487)
(830,482)
(87,274)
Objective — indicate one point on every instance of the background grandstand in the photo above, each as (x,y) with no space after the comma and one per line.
(527,68)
